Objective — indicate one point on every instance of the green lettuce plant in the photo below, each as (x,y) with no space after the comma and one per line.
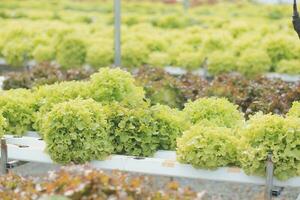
(156,42)
(190,60)
(253,62)
(170,124)
(3,125)
(217,41)
(289,66)
(71,52)
(221,62)
(43,53)
(158,59)
(207,146)
(17,107)
(100,55)
(171,21)
(279,47)
(295,109)
(271,134)
(17,52)
(110,85)
(47,96)
(216,110)
(134,54)
(77,131)
(133,131)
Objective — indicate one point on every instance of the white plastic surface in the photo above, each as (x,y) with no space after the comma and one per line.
(163,163)
(1,81)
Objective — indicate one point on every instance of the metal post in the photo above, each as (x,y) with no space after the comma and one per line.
(117,41)
(296,19)
(269,182)
(186,4)
(3,156)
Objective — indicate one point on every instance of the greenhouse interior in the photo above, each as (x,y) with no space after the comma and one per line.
(149,100)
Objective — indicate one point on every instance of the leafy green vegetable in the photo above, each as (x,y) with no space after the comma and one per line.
(134,54)
(289,66)
(279,47)
(170,124)
(100,55)
(133,131)
(216,110)
(207,146)
(43,53)
(48,95)
(3,125)
(221,62)
(295,109)
(271,134)
(71,52)
(110,85)
(159,59)
(77,131)
(253,62)
(190,60)
(17,52)
(17,107)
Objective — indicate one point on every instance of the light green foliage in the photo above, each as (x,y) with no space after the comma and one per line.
(134,54)
(43,53)
(3,125)
(100,55)
(289,66)
(178,48)
(156,41)
(170,123)
(167,95)
(216,110)
(237,28)
(159,59)
(44,48)
(171,21)
(77,131)
(217,41)
(71,52)
(253,62)
(17,52)
(295,109)
(275,134)
(279,47)
(190,60)
(110,85)
(74,32)
(221,62)
(246,41)
(133,131)
(48,95)
(17,108)
(207,147)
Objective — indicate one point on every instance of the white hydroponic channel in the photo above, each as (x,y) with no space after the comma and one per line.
(31,148)
(1,81)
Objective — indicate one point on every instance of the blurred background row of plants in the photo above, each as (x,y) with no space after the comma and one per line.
(250,94)
(219,36)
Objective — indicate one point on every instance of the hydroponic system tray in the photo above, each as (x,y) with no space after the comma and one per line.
(32,149)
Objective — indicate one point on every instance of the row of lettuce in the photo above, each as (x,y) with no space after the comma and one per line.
(83,121)
(221,38)
(81,182)
(250,94)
